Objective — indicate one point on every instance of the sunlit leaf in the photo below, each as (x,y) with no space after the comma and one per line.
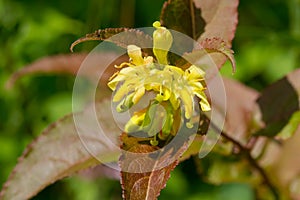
(291,126)
(240,105)
(221,18)
(183,16)
(193,149)
(287,165)
(57,153)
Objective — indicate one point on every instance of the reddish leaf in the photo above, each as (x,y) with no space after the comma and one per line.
(282,159)
(143,177)
(53,64)
(69,64)
(120,36)
(182,16)
(287,164)
(276,108)
(207,49)
(59,152)
(221,19)
(98,35)
(240,110)
(294,79)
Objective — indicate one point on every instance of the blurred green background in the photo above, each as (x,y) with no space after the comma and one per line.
(267,46)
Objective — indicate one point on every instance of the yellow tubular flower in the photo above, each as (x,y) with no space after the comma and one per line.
(173,87)
(162,42)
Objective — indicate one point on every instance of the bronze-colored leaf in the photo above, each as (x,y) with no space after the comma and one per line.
(204,55)
(146,169)
(277,103)
(221,18)
(287,164)
(121,37)
(57,153)
(70,64)
(183,16)
(240,108)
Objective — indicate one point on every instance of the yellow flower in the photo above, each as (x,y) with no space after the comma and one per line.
(172,85)
(162,42)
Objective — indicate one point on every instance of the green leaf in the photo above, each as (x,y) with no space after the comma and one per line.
(291,127)
(277,103)
(183,16)
(57,153)
(120,36)
(193,149)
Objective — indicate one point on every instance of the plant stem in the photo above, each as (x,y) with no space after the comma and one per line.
(246,151)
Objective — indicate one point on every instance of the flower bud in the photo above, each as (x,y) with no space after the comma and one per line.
(162,42)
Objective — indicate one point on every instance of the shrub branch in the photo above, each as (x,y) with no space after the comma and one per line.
(246,152)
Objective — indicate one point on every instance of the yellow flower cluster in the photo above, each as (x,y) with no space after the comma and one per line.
(172,85)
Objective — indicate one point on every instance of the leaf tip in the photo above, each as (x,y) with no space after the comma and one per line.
(75,43)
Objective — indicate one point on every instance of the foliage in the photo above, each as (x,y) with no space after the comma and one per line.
(269,164)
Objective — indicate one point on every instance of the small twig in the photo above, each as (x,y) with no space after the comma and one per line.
(246,151)
(252,141)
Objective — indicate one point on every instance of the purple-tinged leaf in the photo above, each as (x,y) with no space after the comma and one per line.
(69,64)
(240,108)
(182,16)
(204,55)
(99,35)
(277,103)
(287,163)
(58,153)
(143,177)
(221,18)
(53,64)
(128,37)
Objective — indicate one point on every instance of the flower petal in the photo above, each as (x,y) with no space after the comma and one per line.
(135,53)
(138,94)
(162,42)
